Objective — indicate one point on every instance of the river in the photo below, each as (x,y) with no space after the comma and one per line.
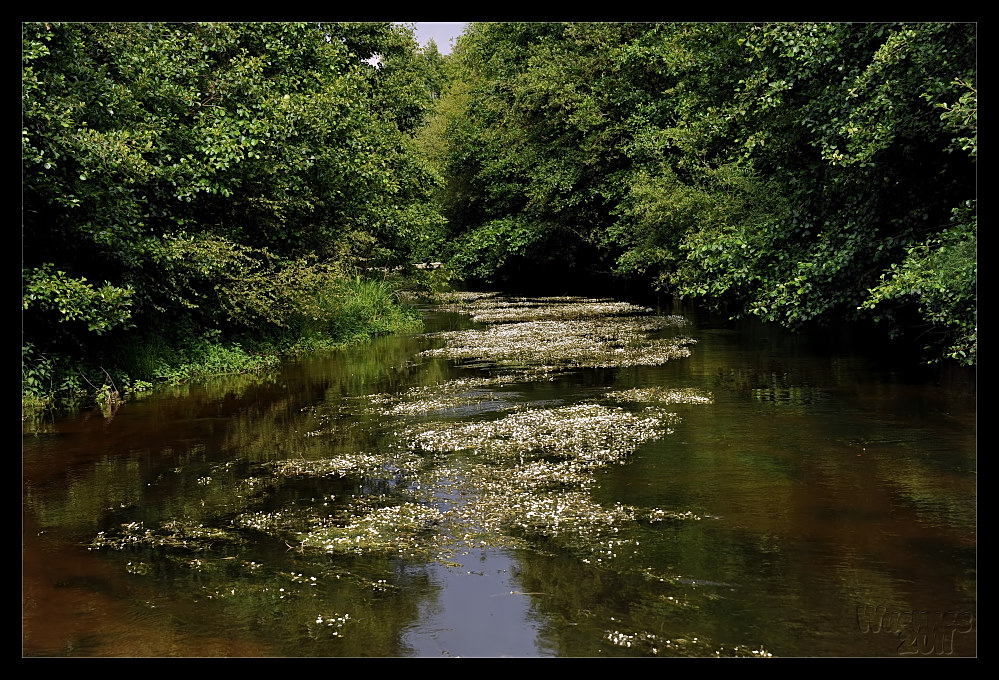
(529,477)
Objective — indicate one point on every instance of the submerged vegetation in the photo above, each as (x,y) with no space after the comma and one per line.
(458,468)
(564,332)
(521,472)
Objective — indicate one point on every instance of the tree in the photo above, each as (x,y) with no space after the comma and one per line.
(173,161)
(842,121)
(782,170)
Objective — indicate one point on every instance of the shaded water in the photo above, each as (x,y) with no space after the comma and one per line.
(553,479)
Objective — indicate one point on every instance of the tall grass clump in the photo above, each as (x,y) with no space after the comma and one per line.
(353,309)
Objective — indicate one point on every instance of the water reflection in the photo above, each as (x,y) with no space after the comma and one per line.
(481,610)
(743,500)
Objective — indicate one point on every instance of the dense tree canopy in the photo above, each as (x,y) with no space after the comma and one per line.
(176,174)
(800,172)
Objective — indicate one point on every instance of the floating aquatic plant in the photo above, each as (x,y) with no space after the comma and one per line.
(529,473)
(488,310)
(661,395)
(328,624)
(171,534)
(593,343)
(486,471)
(588,432)
(463,394)
(356,464)
(657,644)
(643,641)
(394,529)
(558,333)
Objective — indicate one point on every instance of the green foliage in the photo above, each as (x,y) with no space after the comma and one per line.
(360,308)
(940,277)
(192,166)
(483,251)
(70,299)
(43,375)
(772,169)
(859,95)
(275,135)
(961,117)
(530,142)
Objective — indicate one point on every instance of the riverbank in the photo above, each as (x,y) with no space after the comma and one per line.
(139,363)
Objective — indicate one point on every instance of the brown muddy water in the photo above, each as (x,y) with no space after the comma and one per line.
(530,477)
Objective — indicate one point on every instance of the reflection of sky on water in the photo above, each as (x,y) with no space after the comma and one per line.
(479,611)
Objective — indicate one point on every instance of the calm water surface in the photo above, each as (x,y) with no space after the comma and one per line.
(804,496)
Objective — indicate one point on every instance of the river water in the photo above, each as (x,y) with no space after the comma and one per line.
(529,477)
